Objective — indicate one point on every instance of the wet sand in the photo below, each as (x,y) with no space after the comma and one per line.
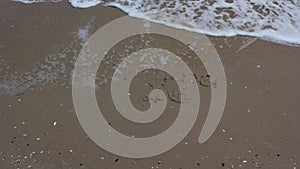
(39,129)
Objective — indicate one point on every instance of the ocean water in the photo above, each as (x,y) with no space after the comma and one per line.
(274,20)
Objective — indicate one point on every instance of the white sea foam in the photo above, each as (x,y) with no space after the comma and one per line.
(274,20)
(33,1)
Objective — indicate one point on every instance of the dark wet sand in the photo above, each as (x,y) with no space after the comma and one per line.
(38,124)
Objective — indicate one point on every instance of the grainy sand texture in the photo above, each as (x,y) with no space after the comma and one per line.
(39,44)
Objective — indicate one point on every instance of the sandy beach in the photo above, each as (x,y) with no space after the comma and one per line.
(39,129)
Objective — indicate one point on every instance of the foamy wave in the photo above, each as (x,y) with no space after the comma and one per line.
(274,20)
(34,1)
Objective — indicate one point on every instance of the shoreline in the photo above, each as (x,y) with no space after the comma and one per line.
(40,129)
